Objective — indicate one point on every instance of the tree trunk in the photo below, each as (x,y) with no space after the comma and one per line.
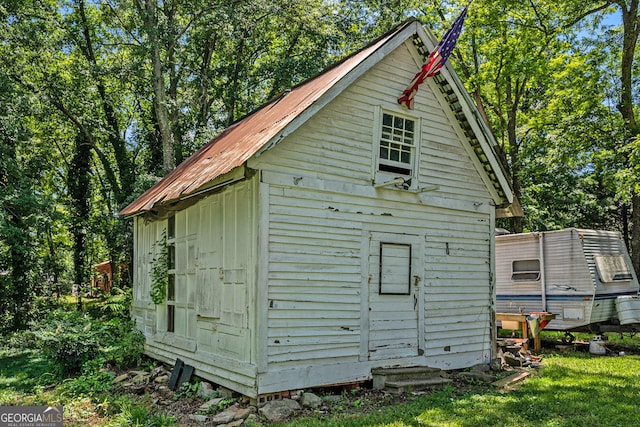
(635,232)
(149,11)
(624,218)
(78,182)
(631,27)
(160,104)
(121,154)
(512,101)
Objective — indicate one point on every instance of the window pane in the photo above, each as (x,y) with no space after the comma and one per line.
(405,157)
(171,249)
(170,318)
(171,227)
(396,144)
(171,287)
(395,153)
(527,270)
(612,268)
(408,138)
(408,125)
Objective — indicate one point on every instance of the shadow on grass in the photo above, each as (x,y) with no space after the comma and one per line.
(22,370)
(571,391)
(574,390)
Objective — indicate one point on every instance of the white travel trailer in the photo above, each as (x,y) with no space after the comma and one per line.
(573,273)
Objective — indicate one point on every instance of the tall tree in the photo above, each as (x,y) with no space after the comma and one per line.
(628,109)
(20,209)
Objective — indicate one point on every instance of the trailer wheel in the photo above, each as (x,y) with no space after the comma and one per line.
(568,338)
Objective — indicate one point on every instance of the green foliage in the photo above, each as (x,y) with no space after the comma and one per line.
(69,339)
(81,135)
(22,370)
(142,416)
(86,385)
(187,389)
(20,213)
(571,390)
(116,305)
(76,342)
(123,344)
(159,270)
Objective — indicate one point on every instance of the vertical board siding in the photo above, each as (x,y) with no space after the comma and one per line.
(216,246)
(146,235)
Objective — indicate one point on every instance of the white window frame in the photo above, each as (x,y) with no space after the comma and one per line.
(381,176)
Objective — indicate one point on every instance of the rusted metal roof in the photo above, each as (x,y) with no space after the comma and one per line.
(236,144)
(270,123)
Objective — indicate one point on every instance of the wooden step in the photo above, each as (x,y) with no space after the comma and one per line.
(417,384)
(381,376)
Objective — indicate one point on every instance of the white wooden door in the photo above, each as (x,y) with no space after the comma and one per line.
(394,295)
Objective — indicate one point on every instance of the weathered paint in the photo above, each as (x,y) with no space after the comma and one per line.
(280,270)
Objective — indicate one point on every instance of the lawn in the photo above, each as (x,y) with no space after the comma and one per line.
(573,389)
(22,372)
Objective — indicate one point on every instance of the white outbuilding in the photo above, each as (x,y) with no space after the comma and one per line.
(329,233)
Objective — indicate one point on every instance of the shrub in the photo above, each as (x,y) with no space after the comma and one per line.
(88,384)
(136,414)
(124,345)
(69,339)
(112,306)
(77,342)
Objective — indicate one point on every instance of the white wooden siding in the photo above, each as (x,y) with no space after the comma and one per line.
(320,199)
(146,234)
(216,247)
(300,316)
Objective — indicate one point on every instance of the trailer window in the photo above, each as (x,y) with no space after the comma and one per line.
(527,270)
(613,268)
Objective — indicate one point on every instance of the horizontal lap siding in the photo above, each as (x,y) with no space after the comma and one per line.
(315,236)
(441,151)
(314,282)
(457,295)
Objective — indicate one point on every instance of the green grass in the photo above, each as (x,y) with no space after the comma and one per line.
(21,373)
(571,390)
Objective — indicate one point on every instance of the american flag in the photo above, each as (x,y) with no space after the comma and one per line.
(436,60)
